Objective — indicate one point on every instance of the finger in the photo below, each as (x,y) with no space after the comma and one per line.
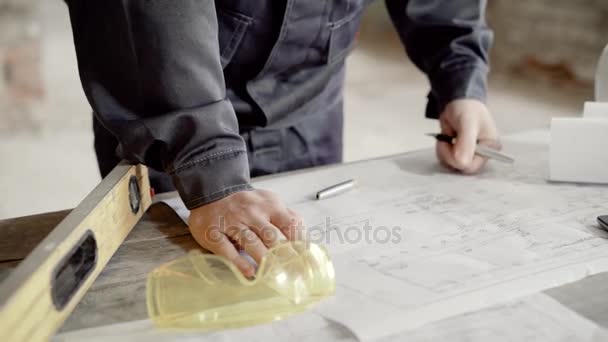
(446,128)
(249,241)
(492,143)
(272,236)
(288,222)
(476,165)
(445,154)
(300,226)
(265,230)
(464,148)
(479,161)
(215,241)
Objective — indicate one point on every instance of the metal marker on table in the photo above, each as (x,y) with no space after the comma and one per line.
(481,150)
(337,189)
(603,221)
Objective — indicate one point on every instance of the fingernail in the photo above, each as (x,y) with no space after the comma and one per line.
(246,268)
(251,274)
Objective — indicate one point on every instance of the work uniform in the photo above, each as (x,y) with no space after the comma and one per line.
(211,93)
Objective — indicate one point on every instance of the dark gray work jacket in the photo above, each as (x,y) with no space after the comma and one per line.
(158,73)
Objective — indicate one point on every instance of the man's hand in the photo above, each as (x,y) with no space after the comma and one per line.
(470,121)
(250,220)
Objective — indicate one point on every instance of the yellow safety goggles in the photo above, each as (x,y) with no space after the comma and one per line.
(204,291)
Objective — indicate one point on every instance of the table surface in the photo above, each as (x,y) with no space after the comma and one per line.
(118,294)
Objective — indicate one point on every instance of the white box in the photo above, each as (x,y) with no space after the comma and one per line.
(596,110)
(579,150)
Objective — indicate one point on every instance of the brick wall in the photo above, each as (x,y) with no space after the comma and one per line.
(21,86)
(550,39)
(560,38)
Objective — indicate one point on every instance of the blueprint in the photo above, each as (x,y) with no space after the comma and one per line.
(416,243)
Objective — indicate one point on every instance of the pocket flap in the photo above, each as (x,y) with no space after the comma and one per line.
(232,28)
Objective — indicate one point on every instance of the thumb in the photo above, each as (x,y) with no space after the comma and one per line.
(464,148)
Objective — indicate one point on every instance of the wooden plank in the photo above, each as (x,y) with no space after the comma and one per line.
(125,273)
(36,297)
(159,222)
(119,293)
(19,236)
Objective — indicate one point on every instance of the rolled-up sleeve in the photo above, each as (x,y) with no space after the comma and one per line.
(151,71)
(449,40)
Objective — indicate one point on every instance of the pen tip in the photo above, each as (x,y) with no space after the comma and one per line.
(431,134)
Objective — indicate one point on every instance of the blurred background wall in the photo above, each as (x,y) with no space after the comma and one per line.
(555,39)
(543,64)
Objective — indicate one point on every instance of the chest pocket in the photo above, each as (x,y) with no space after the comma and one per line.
(232,28)
(343,26)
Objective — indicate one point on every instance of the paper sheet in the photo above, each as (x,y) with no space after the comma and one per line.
(595,110)
(534,318)
(173,200)
(463,243)
(578,150)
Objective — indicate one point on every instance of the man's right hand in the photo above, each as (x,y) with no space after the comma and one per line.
(251,220)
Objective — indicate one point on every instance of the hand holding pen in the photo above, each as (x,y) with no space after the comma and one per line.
(480,150)
(469,122)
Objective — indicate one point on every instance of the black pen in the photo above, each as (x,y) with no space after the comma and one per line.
(480,150)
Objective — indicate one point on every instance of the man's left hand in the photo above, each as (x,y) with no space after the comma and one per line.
(470,121)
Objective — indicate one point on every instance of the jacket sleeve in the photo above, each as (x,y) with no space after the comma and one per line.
(449,40)
(151,71)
